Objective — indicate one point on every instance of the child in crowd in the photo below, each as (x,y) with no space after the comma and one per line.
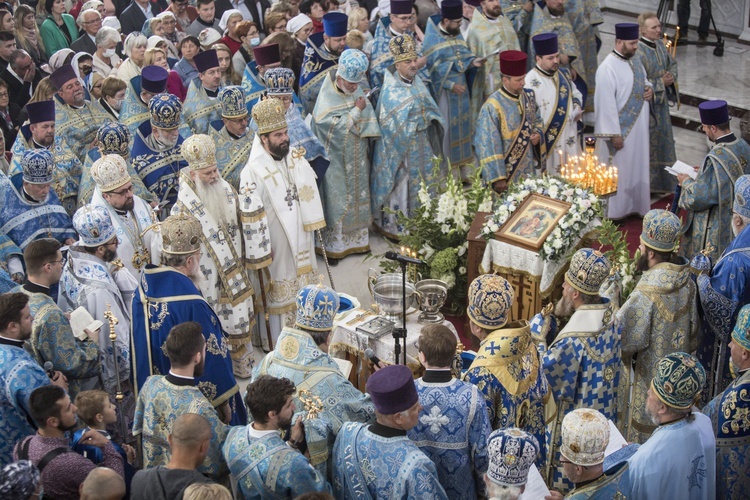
(97,412)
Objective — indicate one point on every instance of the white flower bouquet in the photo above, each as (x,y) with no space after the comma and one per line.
(438,228)
(585,207)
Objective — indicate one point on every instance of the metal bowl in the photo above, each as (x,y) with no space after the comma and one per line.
(389,298)
(431,294)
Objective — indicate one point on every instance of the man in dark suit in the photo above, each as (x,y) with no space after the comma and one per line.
(21,76)
(133,16)
(11,116)
(255,8)
(90,22)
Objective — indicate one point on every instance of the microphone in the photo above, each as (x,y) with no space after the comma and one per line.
(402,258)
(371,356)
(50,369)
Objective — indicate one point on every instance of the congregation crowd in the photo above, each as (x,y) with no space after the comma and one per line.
(172,169)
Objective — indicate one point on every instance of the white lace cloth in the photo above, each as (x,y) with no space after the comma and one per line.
(345,332)
(503,256)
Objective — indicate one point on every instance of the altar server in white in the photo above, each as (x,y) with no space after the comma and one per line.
(622,117)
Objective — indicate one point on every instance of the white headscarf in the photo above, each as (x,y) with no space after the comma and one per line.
(153,40)
(58,58)
(383,9)
(112,22)
(225,18)
(297,23)
(85,80)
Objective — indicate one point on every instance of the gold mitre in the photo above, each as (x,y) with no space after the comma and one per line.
(181,234)
(199,151)
(402,48)
(270,115)
(110,172)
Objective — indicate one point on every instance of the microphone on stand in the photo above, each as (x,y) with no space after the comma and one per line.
(403,258)
(371,356)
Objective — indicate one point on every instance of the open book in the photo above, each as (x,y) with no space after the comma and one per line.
(682,168)
(81,320)
(344,365)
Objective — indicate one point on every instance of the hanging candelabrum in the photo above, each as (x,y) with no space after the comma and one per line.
(588,172)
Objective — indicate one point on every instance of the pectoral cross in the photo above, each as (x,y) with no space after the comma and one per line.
(291,196)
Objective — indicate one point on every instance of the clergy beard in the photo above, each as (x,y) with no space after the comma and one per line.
(199,368)
(555,11)
(494,13)
(279,150)
(564,307)
(642,264)
(653,416)
(284,423)
(164,141)
(452,31)
(198,279)
(214,198)
(127,206)
(109,255)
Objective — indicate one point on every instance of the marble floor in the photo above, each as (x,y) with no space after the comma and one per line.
(700,73)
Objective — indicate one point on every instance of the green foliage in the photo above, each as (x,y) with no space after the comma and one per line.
(438,228)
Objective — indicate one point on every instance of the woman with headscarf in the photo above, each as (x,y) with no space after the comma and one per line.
(228,24)
(27,35)
(83,67)
(247,32)
(106,61)
(300,28)
(59,29)
(157,41)
(60,58)
(135,48)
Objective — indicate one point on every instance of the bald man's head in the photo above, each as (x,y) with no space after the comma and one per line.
(102,484)
(189,431)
